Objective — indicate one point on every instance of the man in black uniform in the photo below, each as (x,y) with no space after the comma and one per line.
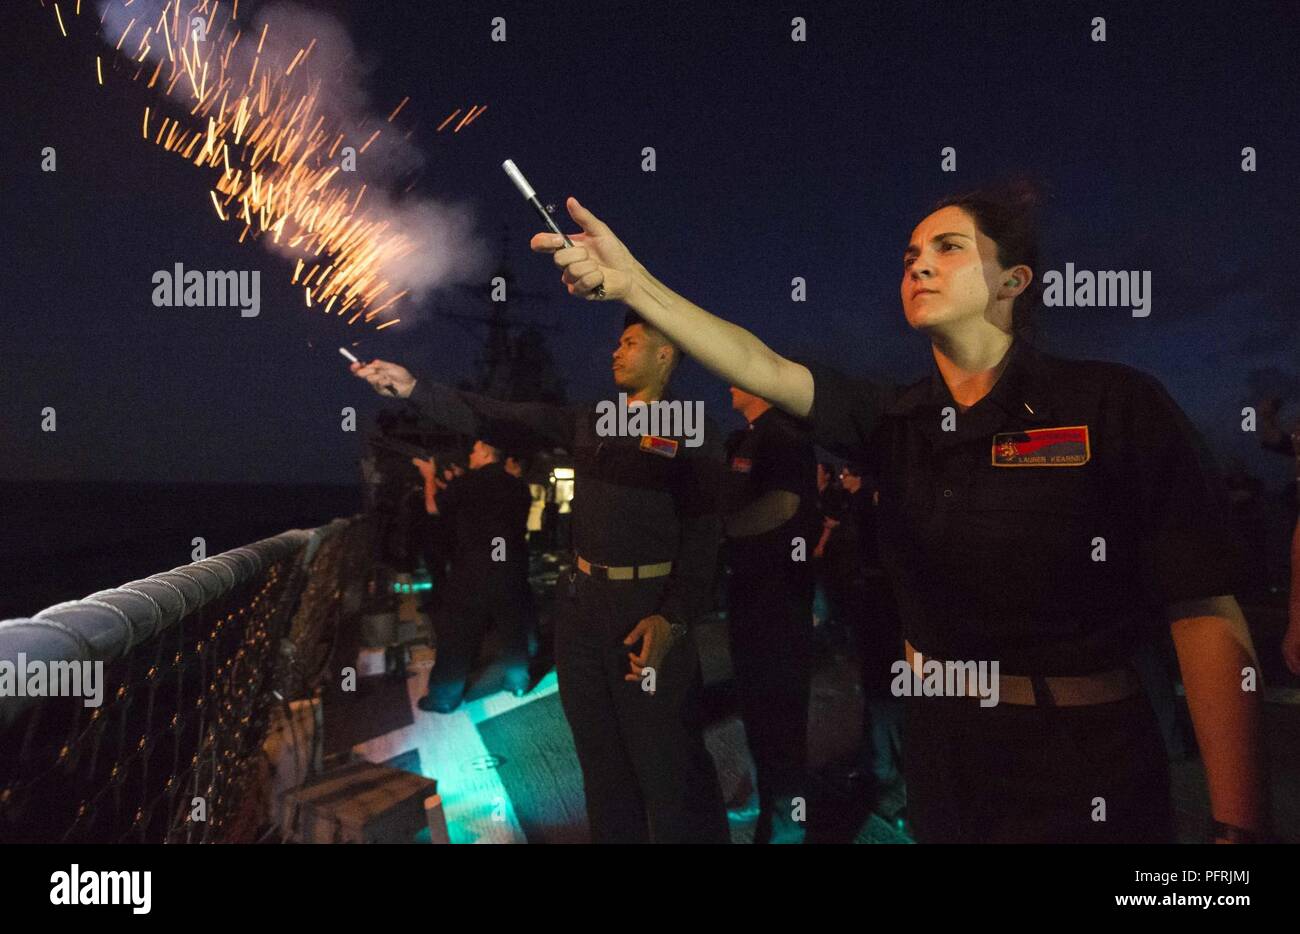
(772,524)
(873,616)
(488,583)
(645,535)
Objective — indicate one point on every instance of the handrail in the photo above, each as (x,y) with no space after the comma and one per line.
(186,668)
(109,623)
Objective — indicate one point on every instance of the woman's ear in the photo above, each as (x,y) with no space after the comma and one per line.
(1014,281)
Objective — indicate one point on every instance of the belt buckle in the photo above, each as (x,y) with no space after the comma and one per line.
(599,571)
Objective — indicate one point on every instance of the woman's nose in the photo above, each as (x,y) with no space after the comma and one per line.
(920,271)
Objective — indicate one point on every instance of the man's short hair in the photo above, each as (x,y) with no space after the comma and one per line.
(632,318)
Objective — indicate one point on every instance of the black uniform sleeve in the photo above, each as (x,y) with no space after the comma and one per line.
(845,411)
(523,504)
(1188,541)
(450,498)
(784,458)
(468,413)
(690,589)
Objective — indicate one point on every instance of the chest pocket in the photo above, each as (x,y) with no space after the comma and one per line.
(1062,491)
(621,461)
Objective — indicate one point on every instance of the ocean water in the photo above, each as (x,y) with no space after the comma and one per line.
(62,541)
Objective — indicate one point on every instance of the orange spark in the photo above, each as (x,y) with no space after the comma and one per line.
(124,31)
(448,120)
(465,119)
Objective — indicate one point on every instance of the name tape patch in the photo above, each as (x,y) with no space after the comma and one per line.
(1043,447)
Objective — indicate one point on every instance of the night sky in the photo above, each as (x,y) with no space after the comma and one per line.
(775,159)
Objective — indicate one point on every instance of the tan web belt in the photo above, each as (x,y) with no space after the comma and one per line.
(628,573)
(1104,687)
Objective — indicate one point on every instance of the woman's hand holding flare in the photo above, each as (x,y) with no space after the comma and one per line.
(597,257)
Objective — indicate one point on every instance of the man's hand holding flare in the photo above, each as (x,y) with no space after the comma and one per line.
(387,379)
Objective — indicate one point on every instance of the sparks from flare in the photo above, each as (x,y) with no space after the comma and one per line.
(267,136)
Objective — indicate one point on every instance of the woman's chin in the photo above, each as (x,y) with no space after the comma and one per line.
(926,319)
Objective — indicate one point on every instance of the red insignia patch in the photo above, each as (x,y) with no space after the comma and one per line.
(664,447)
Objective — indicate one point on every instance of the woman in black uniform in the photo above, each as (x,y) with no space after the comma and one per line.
(1035,513)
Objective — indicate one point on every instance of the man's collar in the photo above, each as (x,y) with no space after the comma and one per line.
(764,414)
(666,396)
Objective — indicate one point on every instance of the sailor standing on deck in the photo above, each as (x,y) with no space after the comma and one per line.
(488,583)
(645,535)
(1006,477)
(772,526)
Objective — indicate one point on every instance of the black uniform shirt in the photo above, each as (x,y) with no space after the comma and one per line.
(990,531)
(635,502)
(772,454)
(484,504)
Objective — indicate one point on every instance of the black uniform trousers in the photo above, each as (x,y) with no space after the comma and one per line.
(481,593)
(879,636)
(645,769)
(769,614)
(1020,774)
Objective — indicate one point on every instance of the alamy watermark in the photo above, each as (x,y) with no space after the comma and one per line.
(36,678)
(192,288)
(933,678)
(1103,289)
(659,419)
(79,886)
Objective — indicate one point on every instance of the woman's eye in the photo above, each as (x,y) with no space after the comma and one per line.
(955,246)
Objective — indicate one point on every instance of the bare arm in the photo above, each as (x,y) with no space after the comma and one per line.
(1213,646)
(598,258)
(428,470)
(725,349)
(828,526)
(770,511)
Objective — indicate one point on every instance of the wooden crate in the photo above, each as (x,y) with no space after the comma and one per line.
(362,803)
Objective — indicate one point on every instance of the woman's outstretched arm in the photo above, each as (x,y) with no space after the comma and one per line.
(599,258)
